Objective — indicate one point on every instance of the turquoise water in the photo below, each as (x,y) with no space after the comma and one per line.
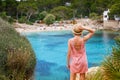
(51,50)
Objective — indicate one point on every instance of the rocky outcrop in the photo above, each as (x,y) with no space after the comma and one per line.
(91,71)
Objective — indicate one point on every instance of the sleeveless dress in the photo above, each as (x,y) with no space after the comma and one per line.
(78,58)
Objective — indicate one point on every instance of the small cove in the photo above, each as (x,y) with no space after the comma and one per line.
(51,50)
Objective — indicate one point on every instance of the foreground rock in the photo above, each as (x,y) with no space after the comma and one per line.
(91,71)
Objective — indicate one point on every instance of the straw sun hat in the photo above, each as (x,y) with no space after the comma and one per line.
(76,29)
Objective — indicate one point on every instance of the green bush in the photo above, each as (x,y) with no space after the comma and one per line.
(29,22)
(17,59)
(6,18)
(23,19)
(62,12)
(34,18)
(111,66)
(3,15)
(10,19)
(42,15)
(2,77)
(49,19)
(93,16)
(114,10)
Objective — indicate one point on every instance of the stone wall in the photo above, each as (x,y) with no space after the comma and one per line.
(111,24)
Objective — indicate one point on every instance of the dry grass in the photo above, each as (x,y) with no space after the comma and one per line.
(17,59)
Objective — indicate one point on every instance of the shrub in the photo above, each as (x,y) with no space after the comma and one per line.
(115,10)
(95,75)
(62,12)
(42,15)
(23,19)
(6,18)
(29,22)
(17,59)
(49,19)
(111,66)
(34,18)
(11,20)
(93,16)
(2,77)
(3,15)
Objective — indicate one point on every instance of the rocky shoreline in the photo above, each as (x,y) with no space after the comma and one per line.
(64,26)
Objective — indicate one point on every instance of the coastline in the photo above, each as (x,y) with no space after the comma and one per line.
(36,27)
(23,28)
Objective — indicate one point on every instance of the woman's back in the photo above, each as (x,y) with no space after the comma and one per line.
(77,46)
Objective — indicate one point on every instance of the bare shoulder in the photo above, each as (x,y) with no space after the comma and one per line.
(69,40)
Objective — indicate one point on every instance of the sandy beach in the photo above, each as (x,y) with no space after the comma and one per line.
(40,28)
(67,25)
(54,27)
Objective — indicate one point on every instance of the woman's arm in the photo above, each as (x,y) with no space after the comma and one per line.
(68,55)
(90,34)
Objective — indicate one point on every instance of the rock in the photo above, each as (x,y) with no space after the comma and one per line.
(91,71)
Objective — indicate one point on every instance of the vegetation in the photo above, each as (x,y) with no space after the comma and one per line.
(62,12)
(22,19)
(4,16)
(93,16)
(115,10)
(111,66)
(95,75)
(17,59)
(42,15)
(27,8)
(32,9)
(49,19)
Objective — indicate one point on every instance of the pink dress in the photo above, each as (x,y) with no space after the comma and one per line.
(78,58)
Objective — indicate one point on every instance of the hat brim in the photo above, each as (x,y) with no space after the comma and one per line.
(78,33)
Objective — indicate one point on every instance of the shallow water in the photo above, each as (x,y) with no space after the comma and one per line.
(51,50)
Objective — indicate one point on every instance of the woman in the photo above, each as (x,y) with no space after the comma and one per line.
(76,58)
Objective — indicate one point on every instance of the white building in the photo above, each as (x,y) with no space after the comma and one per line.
(117,18)
(105,15)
